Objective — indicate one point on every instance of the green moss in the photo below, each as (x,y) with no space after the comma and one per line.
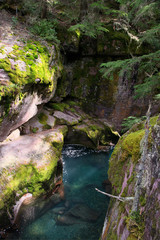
(15,47)
(2,49)
(143,200)
(64,130)
(29,178)
(131,237)
(127,149)
(131,145)
(136,226)
(34,130)
(43,118)
(35,69)
(1,204)
(59,106)
(153,120)
(92,131)
(112,235)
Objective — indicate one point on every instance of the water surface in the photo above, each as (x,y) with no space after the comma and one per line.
(83,170)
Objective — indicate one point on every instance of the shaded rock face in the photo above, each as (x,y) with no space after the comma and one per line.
(28,164)
(77,214)
(152,213)
(82,128)
(111,99)
(122,173)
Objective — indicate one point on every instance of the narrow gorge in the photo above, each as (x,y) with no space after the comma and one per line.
(76,81)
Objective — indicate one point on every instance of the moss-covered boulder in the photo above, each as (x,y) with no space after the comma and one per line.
(123,171)
(28,74)
(28,164)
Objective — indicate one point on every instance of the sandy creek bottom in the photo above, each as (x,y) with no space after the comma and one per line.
(83,210)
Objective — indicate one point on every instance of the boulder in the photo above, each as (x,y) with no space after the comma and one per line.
(84,212)
(26,76)
(67,117)
(42,121)
(67,219)
(29,164)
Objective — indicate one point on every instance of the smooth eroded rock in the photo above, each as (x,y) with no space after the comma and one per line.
(29,164)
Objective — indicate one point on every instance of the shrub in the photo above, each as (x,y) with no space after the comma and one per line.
(45,29)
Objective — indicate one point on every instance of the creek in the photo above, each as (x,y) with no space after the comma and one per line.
(81,214)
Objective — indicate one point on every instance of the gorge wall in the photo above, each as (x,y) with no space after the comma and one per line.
(124,170)
(53,95)
(108,99)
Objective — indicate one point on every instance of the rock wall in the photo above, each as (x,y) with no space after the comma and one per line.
(109,99)
(123,170)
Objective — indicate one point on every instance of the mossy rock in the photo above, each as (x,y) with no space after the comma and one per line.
(97,132)
(127,150)
(29,165)
(27,77)
(28,64)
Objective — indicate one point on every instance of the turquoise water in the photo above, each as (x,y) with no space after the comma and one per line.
(81,214)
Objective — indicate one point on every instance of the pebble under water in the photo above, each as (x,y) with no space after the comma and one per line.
(83,210)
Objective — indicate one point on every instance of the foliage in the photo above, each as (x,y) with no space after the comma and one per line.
(89,29)
(34,69)
(31,6)
(45,29)
(130,121)
(148,68)
(135,223)
(151,36)
(14,21)
(157,97)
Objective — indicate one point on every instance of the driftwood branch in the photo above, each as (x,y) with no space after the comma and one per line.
(122,199)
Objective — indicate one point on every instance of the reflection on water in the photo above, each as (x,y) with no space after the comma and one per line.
(81,214)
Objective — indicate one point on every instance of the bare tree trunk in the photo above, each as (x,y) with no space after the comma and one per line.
(83,9)
(43,8)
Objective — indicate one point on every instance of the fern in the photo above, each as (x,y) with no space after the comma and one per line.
(99,5)
(108,69)
(157,97)
(152,37)
(130,121)
(91,29)
(148,67)
(45,29)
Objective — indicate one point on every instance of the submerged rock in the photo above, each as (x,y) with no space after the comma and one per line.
(58,210)
(77,214)
(67,219)
(84,212)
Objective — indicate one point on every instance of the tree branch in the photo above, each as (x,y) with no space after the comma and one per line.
(122,199)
